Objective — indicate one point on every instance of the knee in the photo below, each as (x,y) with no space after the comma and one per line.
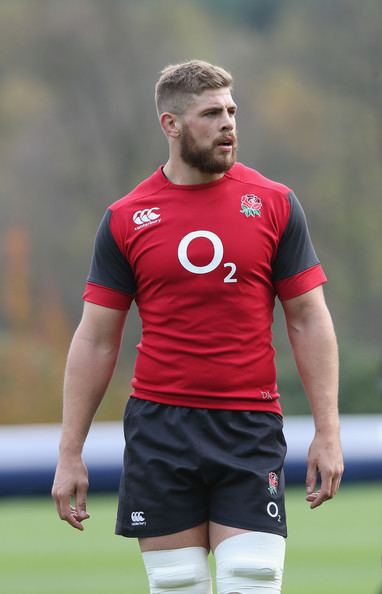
(251,562)
(182,571)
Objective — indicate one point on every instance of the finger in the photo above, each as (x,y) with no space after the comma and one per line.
(55,499)
(311,478)
(336,483)
(312,496)
(80,516)
(335,479)
(66,512)
(325,491)
(72,519)
(62,504)
(81,502)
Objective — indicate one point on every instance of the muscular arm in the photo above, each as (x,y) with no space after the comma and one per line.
(314,346)
(90,365)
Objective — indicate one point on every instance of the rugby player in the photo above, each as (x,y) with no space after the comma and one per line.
(204,246)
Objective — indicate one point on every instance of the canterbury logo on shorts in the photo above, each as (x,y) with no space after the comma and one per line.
(138,518)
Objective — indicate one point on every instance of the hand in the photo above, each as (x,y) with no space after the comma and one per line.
(324,458)
(71,480)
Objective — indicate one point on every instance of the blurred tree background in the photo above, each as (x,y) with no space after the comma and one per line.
(78,130)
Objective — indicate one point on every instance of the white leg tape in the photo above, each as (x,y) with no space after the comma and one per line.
(179,571)
(250,563)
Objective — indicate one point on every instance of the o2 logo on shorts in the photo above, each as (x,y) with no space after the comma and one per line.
(216,259)
(273,510)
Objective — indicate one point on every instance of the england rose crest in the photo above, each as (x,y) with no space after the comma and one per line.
(251,205)
(273,483)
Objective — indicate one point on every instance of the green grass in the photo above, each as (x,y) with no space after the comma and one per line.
(335,549)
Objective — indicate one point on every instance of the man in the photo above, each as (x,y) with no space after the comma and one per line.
(203,246)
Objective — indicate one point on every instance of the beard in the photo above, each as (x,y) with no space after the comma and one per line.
(204,159)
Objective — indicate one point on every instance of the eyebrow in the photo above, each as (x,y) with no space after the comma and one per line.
(218,108)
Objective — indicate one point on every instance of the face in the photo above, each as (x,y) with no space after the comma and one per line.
(208,138)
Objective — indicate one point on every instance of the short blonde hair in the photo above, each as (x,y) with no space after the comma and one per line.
(179,82)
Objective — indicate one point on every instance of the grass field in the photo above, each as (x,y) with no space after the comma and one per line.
(335,549)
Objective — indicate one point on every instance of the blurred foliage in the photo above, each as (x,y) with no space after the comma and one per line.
(359,378)
(257,14)
(78,130)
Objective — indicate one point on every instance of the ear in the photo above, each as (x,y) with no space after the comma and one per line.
(170,124)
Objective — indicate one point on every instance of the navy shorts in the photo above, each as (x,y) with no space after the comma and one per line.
(184,466)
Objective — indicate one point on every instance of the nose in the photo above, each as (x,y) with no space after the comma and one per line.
(228,121)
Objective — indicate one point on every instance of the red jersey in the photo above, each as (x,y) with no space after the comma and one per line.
(204,264)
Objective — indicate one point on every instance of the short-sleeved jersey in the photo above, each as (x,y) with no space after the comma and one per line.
(204,264)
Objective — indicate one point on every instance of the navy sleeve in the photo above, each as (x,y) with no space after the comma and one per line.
(109,266)
(295,252)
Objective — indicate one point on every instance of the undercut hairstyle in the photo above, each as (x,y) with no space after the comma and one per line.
(178,84)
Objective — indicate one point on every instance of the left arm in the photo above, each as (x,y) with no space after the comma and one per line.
(314,345)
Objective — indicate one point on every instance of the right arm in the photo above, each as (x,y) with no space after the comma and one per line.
(91,360)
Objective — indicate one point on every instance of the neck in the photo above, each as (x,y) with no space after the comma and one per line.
(178,172)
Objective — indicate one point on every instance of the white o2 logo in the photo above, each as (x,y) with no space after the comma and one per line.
(273,510)
(216,260)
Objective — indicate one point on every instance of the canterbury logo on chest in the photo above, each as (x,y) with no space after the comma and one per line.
(146,216)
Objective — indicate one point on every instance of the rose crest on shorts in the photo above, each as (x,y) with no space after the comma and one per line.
(251,205)
(273,483)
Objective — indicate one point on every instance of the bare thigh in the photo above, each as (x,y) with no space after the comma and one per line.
(207,535)
(193,537)
(219,532)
